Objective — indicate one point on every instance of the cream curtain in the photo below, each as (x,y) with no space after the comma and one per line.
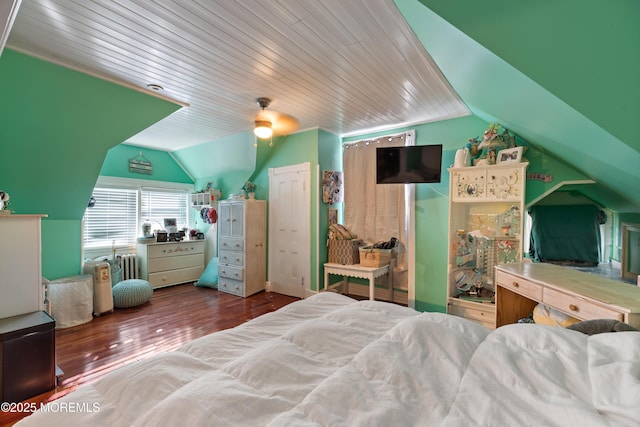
(375,212)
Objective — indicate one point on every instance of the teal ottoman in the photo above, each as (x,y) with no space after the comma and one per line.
(131,293)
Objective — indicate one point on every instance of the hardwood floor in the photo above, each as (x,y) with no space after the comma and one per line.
(174,316)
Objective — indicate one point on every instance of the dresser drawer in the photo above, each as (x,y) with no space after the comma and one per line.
(229,257)
(176,262)
(236,273)
(482,313)
(578,307)
(231,286)
(519,285)
(175,249)
(172,277)
(231,243)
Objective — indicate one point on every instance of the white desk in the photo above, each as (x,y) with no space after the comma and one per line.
(355,270)
(521,286)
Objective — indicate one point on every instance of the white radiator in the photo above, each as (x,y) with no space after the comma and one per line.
(129,266)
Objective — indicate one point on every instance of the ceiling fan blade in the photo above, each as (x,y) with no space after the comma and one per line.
(285,124)
(281,123)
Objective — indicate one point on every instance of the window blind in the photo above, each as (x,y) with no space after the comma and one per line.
(118,214)
(113,219)
(158,205)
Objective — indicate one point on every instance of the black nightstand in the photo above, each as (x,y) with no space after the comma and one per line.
(27,356)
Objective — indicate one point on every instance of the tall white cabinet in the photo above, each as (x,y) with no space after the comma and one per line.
(21,288)
(486,215)
(242,243)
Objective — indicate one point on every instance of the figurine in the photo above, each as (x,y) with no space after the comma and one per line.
(4,200)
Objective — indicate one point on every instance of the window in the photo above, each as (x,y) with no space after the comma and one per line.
(379,212)
(157,205)
(118,214)
(113,219)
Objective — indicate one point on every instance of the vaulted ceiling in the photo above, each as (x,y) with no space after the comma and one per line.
(344,66)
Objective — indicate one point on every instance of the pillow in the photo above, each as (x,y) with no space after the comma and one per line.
(545,315)
(209,278)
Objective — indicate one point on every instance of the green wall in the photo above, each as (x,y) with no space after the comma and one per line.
(539,74)
(294,149)
(432,201)
(432,208)
(57,126)
(165,168)
(329,158)
(228,162)
(569,47)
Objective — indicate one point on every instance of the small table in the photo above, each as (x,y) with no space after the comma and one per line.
(355,270)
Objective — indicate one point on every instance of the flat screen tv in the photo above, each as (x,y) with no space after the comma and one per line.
(409,164)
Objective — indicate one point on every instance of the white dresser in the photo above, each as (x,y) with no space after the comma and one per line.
(242,237)
(21,288)
(171,263)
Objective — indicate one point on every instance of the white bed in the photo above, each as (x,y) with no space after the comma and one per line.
(332,361)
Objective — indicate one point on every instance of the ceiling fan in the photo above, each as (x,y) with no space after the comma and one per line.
(270,122)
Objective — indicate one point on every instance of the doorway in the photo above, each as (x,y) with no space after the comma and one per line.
(290,229)
(630,251)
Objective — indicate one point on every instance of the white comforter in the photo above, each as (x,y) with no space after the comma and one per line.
(332,361)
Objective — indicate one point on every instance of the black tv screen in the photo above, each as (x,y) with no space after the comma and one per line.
(409,164)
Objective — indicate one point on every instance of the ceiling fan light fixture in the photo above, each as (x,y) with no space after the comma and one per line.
(263,129)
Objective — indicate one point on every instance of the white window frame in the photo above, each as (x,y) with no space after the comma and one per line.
(138,185)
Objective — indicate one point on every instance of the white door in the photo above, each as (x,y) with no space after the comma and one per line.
(290,229)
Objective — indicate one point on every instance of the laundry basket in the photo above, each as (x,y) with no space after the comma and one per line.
(71,300)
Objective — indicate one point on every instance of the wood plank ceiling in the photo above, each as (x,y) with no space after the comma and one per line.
(344,66)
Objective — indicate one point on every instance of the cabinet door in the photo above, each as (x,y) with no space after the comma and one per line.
(468,183)
(224,219)
(237,219)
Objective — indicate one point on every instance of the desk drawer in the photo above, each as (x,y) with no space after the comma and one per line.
(519,285)
(229,257)
(578,307)
(485,314)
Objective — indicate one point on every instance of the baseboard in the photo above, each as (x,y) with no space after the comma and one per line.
(399,296)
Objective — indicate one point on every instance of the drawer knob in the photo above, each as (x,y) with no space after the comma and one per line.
(516,284)
(574,307)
